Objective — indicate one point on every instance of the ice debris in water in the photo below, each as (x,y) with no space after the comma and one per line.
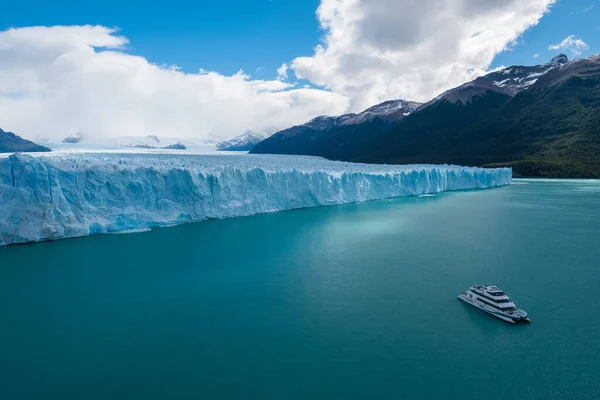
(64,195)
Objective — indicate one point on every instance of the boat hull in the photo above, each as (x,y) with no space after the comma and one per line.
(504,317)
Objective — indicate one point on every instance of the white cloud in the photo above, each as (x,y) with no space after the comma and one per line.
(589,8)
(571,43)
(536,55)
(56,80)
(381,49)
(282,72)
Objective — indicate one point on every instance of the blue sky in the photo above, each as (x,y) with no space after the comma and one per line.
(567,17)
(224,35)
(229,35)
(63,69)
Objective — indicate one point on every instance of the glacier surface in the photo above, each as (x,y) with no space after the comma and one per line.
(64,195)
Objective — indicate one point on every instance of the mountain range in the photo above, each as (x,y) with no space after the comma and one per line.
(336,137)
(541,120)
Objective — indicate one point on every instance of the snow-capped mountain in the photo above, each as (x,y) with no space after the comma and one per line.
(541,121)
(244,142)
(581,67)
(393,110)
(333,136)
(513,80)
(325,122)
(213,138)
(509,81)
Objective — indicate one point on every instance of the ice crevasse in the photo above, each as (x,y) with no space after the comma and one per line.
(69,195)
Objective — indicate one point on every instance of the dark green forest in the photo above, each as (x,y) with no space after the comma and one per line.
(546,132)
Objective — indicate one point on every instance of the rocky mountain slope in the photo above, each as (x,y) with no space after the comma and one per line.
(541,120)
(10,143)
(550,127)
(334,137)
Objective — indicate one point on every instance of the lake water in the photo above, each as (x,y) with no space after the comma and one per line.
(346,302)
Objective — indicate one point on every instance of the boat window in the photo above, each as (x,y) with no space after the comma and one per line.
(499,307)
(490,297)
(496,294)
(489,303)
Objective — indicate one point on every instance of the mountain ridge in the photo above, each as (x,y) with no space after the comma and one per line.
(550,129)
(331,137)
(541,120)
(244,142)
(11,142)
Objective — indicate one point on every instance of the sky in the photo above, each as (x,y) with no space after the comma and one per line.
(216,69)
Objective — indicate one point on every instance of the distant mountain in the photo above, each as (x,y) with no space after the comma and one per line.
(337,137)
(9,143)
(391,111)
(176,146)
(76,138)
(151,142)
(244,142)
(213,138)
(542,121)
(583,68)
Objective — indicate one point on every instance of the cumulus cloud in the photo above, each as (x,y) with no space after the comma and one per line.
(56,80)
(382,49)
(571,43)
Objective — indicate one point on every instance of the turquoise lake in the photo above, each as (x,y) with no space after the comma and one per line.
(346,302)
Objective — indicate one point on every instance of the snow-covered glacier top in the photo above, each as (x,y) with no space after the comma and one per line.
(63,195)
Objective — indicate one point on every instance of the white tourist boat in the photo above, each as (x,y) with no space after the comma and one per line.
(494,301)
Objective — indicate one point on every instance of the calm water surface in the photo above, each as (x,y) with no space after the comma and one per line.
(345,302)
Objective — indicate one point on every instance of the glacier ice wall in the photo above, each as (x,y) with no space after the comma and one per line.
(68,195)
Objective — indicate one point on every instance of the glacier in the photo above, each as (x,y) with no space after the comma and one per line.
(65,195)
